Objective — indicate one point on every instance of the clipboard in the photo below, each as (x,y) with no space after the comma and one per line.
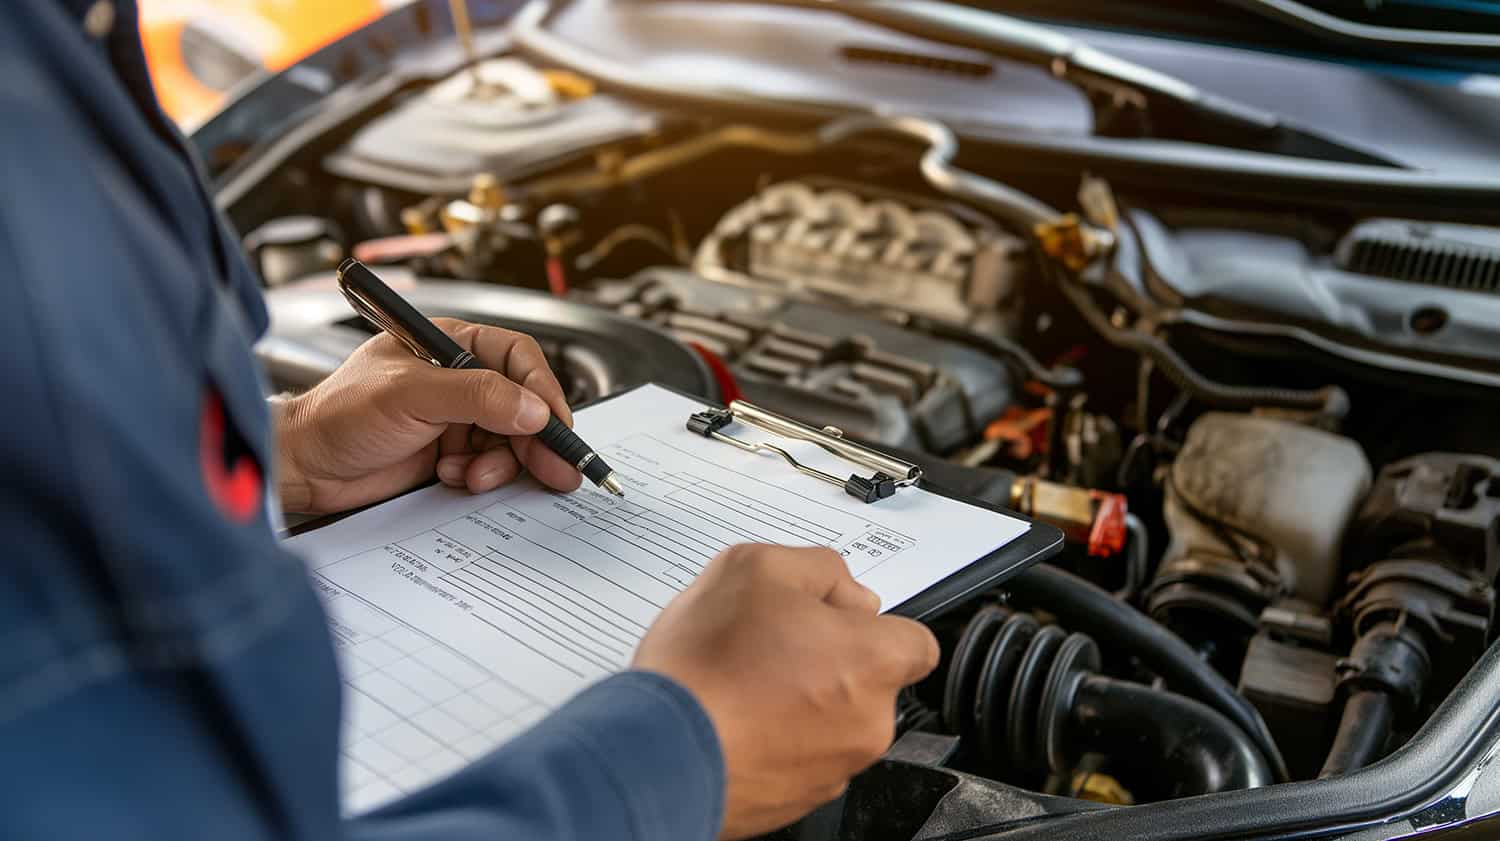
(535,594)
(1039,542)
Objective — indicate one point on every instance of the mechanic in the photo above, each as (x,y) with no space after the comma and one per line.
(166,671)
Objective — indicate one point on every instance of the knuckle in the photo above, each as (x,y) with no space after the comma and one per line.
(531,350)
(841,692)
(827,562)
(755,558)
(485,389)
(823,556)
(477,389)
(736,561)
(737,553)
(461,331)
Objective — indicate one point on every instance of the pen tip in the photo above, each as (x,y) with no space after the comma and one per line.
(609,483)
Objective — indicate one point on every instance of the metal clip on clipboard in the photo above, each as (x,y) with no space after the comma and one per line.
(890,473)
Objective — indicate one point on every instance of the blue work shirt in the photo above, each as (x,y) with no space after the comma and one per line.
(165,667)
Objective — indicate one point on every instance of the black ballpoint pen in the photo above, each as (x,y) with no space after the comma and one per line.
(385,309)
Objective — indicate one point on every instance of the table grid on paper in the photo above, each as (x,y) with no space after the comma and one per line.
(415,710)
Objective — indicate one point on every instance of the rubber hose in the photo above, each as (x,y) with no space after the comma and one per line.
(1016,357)
(1364,729)
(1186,743)
(1084,607)
(1330,400)
(1005,203)
(1137,556)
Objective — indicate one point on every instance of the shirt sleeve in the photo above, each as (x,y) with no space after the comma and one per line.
(632,758)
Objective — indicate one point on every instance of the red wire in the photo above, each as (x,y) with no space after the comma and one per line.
(557,279)
(729,389)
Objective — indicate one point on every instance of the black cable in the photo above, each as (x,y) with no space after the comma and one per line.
(1144,368)
(1022,364)
(1137,557)
(1095,611)
(1363,731)
(1329,400)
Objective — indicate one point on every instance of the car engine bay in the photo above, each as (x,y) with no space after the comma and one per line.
(1265,429)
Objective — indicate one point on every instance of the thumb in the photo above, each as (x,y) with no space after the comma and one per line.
(905,650)
(480,397)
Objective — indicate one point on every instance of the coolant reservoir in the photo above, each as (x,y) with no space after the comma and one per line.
(1281,492)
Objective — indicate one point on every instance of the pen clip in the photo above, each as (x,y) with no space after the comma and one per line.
(377,317)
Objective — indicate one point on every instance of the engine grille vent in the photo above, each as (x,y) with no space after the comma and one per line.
(946,65)
(824,362)
(1455,256)
(852,367)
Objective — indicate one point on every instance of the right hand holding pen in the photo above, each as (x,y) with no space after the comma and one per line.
(790,658)
(384,420)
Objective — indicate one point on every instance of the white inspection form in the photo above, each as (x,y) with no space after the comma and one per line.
(462,619)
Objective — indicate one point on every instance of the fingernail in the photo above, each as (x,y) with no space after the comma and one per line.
(487,478)
(534,412)
(450,471)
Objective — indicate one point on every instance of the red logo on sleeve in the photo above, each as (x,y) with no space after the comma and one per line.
(229,470)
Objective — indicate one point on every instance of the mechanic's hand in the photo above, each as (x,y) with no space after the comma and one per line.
(789,657)
(385,420)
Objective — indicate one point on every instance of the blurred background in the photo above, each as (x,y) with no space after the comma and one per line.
(200,50)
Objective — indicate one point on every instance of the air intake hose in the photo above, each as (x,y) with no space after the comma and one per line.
(1026,699)
(1081,605)
(1180,741)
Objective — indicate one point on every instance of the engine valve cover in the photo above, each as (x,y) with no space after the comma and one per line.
(873,379)
(906,253)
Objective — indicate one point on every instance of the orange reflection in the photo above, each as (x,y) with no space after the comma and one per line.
(199,49)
